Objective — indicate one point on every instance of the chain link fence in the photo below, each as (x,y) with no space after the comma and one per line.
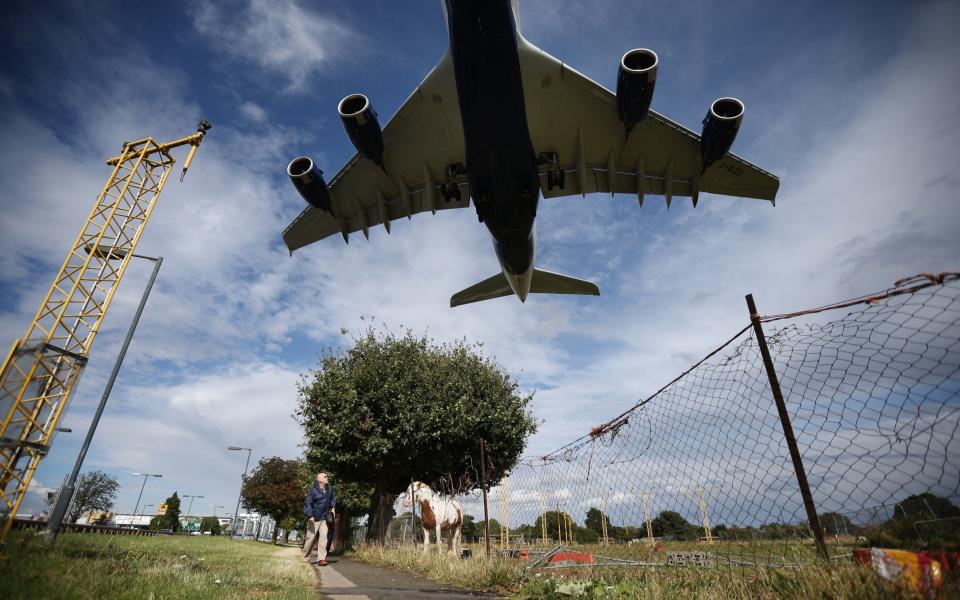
(863,449)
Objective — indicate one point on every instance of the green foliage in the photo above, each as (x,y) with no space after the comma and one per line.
(275,488)
(557,524)
(170,519)
(468,529)
(96,491)
(594,521)
(211,524)
(833,523)
(672,524)
(390,410)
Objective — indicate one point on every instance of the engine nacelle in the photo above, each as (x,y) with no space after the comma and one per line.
(635,81)
(361,124)
(720,128)
(308,180)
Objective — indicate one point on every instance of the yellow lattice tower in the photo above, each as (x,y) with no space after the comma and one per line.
(569,521)
(605,540)
(504,499)
(645,496)
(42,368)
(702,503)
(543,517)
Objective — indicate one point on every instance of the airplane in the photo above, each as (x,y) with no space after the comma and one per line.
(502,122)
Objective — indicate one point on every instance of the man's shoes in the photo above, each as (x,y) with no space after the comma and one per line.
(322,563)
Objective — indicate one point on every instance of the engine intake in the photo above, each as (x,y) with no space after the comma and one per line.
(635,82)
(361,124)
(720,128)
(308,180)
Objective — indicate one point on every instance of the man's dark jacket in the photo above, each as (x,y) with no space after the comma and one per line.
(319,500)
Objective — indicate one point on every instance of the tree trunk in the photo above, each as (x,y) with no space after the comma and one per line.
(275,530)
(381,512)
(286,537)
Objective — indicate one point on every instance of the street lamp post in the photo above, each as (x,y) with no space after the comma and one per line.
(215,507)
(233,526)
(145,507)
(145,477)
(191,502)
(66,494)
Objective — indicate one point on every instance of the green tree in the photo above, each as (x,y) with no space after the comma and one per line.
(594,521)
(670,523)
(171,518)
(275,488)
(468,529)
(211,524)
(393,409)
(557,524)
(834,523)
(95,491)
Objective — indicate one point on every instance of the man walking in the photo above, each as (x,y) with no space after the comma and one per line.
(319,506)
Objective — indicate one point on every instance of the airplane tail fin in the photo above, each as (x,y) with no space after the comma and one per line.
(543,282)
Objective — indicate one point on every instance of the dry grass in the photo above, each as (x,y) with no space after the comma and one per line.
(477,573)
(166,567)
(839,582)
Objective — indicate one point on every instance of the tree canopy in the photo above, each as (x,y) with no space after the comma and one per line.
(169,519)
(96,491)
(211,524)
(389,410)
(276,488)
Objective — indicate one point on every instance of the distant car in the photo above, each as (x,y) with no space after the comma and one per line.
(166,531)
(207,533)
(194,533)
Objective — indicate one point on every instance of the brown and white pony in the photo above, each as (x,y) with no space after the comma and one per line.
(438,514)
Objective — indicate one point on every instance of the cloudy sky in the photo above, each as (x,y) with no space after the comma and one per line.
(855,106)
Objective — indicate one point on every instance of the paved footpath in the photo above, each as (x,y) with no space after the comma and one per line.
(345,579)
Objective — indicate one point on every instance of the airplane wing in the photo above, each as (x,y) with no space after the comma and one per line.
(422,139)
(575,117)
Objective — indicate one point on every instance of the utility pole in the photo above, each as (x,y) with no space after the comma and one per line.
(53,524)
(243,478)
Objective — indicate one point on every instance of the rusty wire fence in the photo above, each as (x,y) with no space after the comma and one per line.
(863,449)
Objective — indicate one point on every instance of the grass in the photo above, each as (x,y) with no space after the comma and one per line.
(151,568)
(840,582)
(477,573)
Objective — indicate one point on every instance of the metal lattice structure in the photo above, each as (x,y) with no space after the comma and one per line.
(42,368)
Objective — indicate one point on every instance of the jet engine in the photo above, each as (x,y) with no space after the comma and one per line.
(308,180)
(361,124)
(635,81)
(720,127)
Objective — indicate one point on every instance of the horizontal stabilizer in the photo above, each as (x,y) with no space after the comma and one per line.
(488,289)
(545,282)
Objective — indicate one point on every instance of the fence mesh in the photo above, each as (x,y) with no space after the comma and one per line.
(700,471)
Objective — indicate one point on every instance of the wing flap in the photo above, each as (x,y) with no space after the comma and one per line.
(576,118)
(421,141)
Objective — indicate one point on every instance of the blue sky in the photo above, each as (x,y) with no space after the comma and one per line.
(854,105)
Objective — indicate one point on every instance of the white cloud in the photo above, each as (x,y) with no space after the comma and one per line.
(254,112)
(285,37)
(872,199)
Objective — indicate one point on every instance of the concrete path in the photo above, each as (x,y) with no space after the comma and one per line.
(345,579)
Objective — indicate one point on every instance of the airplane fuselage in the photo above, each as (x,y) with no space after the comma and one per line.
(500,160)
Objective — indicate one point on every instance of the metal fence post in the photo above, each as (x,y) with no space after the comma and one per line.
(788,431)
(483,474)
